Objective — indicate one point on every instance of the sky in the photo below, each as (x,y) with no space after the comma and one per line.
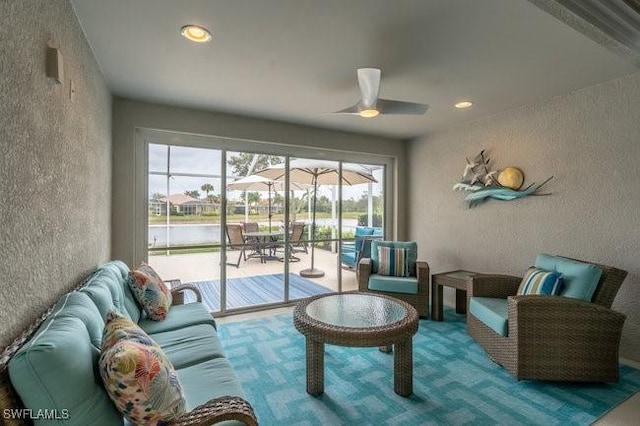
(189,160)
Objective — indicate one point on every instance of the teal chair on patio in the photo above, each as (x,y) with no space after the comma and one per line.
(413,288)
(352,251)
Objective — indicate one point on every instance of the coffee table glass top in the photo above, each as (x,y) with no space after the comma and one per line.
(356,310)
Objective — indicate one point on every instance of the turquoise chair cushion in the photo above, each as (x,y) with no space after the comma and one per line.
(45,379)
(361,232)
(189,345)
(207,380)
(492,312)
(411,246)
(405,285)
(179,316)
(348,257)
(580,279)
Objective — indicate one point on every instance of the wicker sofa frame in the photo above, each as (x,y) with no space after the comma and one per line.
(551,337)
(419,301)
(213,411)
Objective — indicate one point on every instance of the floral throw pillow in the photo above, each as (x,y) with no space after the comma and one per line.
(141,382)
(117,328)
(150,291)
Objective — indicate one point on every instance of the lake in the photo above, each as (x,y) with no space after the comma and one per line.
(196,234)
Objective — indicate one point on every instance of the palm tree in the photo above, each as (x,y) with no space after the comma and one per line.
(207,188)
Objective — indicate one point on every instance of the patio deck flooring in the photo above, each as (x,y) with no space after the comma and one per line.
(206,266)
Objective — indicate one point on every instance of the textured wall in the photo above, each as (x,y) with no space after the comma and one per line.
(130,114)
(55,162)
(590,141)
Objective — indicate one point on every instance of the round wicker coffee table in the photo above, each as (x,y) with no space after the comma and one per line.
(358,320)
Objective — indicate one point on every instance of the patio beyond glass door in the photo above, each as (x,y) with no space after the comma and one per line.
(268,232)
(362,221)
(255,232)
(184,221)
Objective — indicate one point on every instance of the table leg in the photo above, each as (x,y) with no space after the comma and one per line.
(403,367)
(461,301)
(436,302)
(315,367)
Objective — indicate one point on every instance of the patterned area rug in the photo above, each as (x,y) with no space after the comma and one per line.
(256,290)
(455,383)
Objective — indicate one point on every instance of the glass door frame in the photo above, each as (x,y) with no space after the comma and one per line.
(144,136)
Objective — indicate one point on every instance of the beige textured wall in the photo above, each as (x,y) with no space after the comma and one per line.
(131,114)
(55,161)
(590,142)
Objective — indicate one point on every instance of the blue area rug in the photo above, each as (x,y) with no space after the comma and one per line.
(455,383)
(256,290)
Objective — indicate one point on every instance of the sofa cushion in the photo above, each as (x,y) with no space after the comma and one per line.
(141,381)
(207,380)
(412,257)
(393,262)
(540,281)
(45,378)
(107,293)
(492,312)
(580,279)
(406,285)
(179,316)
(151,292)
(120,272)
(190,345)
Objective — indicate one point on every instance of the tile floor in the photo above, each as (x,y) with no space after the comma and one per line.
(625,414)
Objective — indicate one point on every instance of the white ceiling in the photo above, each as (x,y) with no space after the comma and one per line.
(296,60)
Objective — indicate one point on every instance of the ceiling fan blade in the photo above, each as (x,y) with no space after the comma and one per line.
(387,106)
(351,110)
(369,82)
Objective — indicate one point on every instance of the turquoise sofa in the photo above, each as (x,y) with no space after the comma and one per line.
(56,369)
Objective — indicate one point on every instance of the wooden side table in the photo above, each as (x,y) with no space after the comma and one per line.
(455,279)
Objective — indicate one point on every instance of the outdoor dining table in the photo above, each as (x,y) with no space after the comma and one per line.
(266,240)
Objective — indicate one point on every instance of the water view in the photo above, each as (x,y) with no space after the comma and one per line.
(197,234)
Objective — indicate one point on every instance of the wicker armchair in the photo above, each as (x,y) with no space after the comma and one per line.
(419,300)
(552,337)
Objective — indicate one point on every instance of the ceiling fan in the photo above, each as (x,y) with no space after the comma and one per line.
(371,106)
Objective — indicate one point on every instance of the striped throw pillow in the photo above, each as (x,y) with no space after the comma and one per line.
(539,281)
(393,262)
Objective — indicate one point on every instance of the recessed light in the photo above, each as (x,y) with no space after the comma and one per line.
(369,113)
(195,33)
(464,104)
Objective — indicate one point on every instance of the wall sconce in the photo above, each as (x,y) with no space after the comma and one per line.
(55,64)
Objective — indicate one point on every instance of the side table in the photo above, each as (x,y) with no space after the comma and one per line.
(456,279)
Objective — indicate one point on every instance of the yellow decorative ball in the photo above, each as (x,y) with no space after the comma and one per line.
(511,177)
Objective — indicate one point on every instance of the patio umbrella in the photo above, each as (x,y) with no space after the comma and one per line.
(259,183)
(316,172)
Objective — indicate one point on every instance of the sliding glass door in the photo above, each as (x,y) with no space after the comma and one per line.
(255,229)
(184,216)
(248,236)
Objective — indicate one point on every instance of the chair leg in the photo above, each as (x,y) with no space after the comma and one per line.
(237,264)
